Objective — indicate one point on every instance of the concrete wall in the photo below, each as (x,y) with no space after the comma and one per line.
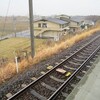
(72,23)
(55,35)
(51,34)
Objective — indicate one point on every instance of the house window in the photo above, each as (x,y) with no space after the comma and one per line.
(44,25)
(39,24)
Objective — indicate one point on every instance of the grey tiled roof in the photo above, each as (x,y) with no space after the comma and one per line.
(57,20)
(54,20)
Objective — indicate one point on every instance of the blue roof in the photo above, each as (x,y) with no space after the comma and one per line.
(54,20)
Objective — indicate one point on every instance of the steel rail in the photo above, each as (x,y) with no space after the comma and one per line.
(43,76)
(56,93)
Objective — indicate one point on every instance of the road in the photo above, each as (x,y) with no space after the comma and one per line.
(25,34)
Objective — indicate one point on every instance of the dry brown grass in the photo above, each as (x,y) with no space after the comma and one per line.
(10,70)
(8,27)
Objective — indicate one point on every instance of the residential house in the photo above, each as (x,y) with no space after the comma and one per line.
(85,24)
(73,26)
(55,27)
(49,28)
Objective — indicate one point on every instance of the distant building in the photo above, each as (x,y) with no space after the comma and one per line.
(49,28)
(54,28)
(62,17)
(85,24)
(72,25)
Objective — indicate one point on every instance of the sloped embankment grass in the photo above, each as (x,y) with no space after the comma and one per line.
(8,46)
(10,70)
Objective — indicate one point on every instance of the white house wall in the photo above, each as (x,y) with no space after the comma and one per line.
(72,23)
(50,25)
(51,34)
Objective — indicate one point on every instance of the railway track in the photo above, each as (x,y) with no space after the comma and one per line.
(60,80)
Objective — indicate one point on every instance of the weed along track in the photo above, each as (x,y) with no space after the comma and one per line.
(58,82)
(21,80)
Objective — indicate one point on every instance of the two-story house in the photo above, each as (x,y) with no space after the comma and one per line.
(72,25)
(49,28)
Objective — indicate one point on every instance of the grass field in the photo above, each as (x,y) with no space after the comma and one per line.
(9,27)
(8,46)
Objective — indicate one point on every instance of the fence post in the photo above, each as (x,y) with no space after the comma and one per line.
(16,60)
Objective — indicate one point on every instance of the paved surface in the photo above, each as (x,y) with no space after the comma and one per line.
(89,87)
(25,34)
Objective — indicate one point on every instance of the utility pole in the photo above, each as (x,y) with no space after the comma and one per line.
(31,27)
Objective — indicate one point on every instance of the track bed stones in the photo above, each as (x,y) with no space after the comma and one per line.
(25,77)
(64,76)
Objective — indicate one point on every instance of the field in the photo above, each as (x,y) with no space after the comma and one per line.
(8,46)
(9,26)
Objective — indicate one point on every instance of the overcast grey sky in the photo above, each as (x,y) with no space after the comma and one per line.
(51,7)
